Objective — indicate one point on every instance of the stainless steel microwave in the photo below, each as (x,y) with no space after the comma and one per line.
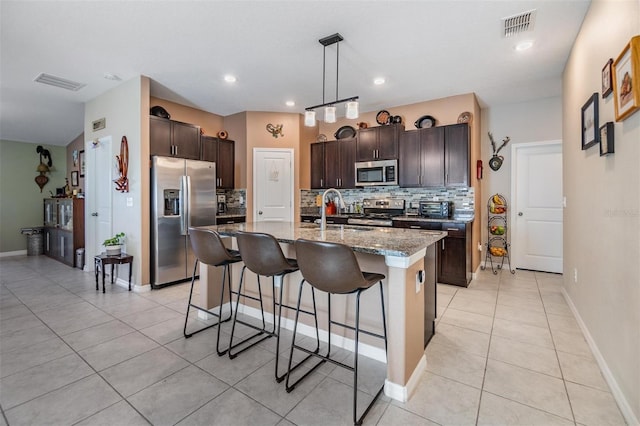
(383,172)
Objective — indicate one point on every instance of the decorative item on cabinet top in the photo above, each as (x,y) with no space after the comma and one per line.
(383,117)
(158,111)
(424,122)
(496,160)
(465,117)
(222,134)
(275,130)
(42,179)
(345,132)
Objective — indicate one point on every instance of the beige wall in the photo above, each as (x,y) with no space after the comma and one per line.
(535,121)
(209,123)
(122,107)
(602,217)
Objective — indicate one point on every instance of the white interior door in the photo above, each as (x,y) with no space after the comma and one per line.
(99,189)
(536,216)
(273,185)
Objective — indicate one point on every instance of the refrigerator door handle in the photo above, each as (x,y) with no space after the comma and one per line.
(188,215)
(184,206)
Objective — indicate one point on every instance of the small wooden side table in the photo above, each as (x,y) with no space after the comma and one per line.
(103,259)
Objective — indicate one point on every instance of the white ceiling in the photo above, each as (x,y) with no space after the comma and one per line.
(425,49)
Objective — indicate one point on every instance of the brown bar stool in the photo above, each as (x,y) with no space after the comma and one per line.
(209,250)
(263,256)
(333,269)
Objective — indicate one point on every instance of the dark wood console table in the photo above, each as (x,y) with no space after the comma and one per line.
(103,259)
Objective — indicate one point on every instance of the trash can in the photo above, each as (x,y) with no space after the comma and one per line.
(35,240)
(80,258)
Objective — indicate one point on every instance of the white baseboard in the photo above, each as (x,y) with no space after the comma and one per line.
(617,393)
(403,393)
(13,253)
(306,330)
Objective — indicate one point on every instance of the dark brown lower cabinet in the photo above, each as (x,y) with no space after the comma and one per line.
(454,266)
(453,252)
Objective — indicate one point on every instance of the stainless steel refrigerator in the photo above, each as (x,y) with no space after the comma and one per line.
(183,194)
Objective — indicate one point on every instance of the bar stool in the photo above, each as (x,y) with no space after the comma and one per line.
(263,256)
(333,269)
(209,250)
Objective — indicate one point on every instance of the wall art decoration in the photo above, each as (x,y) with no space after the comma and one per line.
(590,122)
(275,130)
(607,86)
(606,139)
(83,164)
(74,178)
(626,80)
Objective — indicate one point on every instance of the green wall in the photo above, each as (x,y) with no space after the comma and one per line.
(20,197)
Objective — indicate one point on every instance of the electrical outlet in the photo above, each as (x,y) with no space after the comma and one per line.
(575,275)
(480,247)
(564,202)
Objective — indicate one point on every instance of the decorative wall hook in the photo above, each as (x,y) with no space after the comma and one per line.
(43,168)
(122,183)
(275,130)
(496,160)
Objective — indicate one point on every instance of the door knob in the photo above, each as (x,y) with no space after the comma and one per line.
(94,214)
(519,213)
(260,212)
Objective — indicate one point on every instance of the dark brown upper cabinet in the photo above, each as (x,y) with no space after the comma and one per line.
(173,138)
(434,157)
(378,143)
(333,164)
(222,152)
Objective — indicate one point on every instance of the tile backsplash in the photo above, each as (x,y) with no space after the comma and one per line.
(463,198)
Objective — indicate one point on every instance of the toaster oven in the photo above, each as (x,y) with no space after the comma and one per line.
(436,209)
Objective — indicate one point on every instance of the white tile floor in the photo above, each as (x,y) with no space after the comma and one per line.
(507,351)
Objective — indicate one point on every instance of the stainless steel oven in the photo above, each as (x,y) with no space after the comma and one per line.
(383,172)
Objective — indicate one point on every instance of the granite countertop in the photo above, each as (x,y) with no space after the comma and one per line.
(364,239)
(463,219)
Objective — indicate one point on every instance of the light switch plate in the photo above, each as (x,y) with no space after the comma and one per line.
(129,201)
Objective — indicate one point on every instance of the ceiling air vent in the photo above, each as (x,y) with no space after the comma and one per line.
(63,83)
(520,23)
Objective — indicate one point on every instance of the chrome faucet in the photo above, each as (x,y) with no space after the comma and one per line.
(323,219)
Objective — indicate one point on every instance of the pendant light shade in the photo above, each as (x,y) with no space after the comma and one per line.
(352,110)
(330,114)
(309,118)
(329,107)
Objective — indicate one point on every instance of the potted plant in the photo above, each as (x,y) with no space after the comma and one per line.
(114,244)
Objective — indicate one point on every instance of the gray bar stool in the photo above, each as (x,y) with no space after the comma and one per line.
(333,269)
(263,256)
(209,250)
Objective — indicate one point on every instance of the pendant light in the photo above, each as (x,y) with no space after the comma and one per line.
(329,107)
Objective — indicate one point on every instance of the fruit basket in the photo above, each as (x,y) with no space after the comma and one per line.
(497,247)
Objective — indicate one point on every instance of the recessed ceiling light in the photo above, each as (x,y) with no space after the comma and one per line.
(229,78)
(290,103)
(378,81)
(524,45)
(110,76)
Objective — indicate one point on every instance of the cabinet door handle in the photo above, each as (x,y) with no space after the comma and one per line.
(414,227)
(220,182)
(321,182)
(442,243)
(176,147)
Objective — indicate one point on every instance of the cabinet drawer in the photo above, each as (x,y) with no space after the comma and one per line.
(414,224)
(457,230)
(308,219)
(228,220)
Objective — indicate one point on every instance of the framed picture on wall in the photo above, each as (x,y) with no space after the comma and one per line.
(606,139)
(607,86)
(83,165)
(590,122)
(74,179)
(626,80)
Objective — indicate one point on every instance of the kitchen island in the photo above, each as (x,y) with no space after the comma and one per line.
(405,256)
